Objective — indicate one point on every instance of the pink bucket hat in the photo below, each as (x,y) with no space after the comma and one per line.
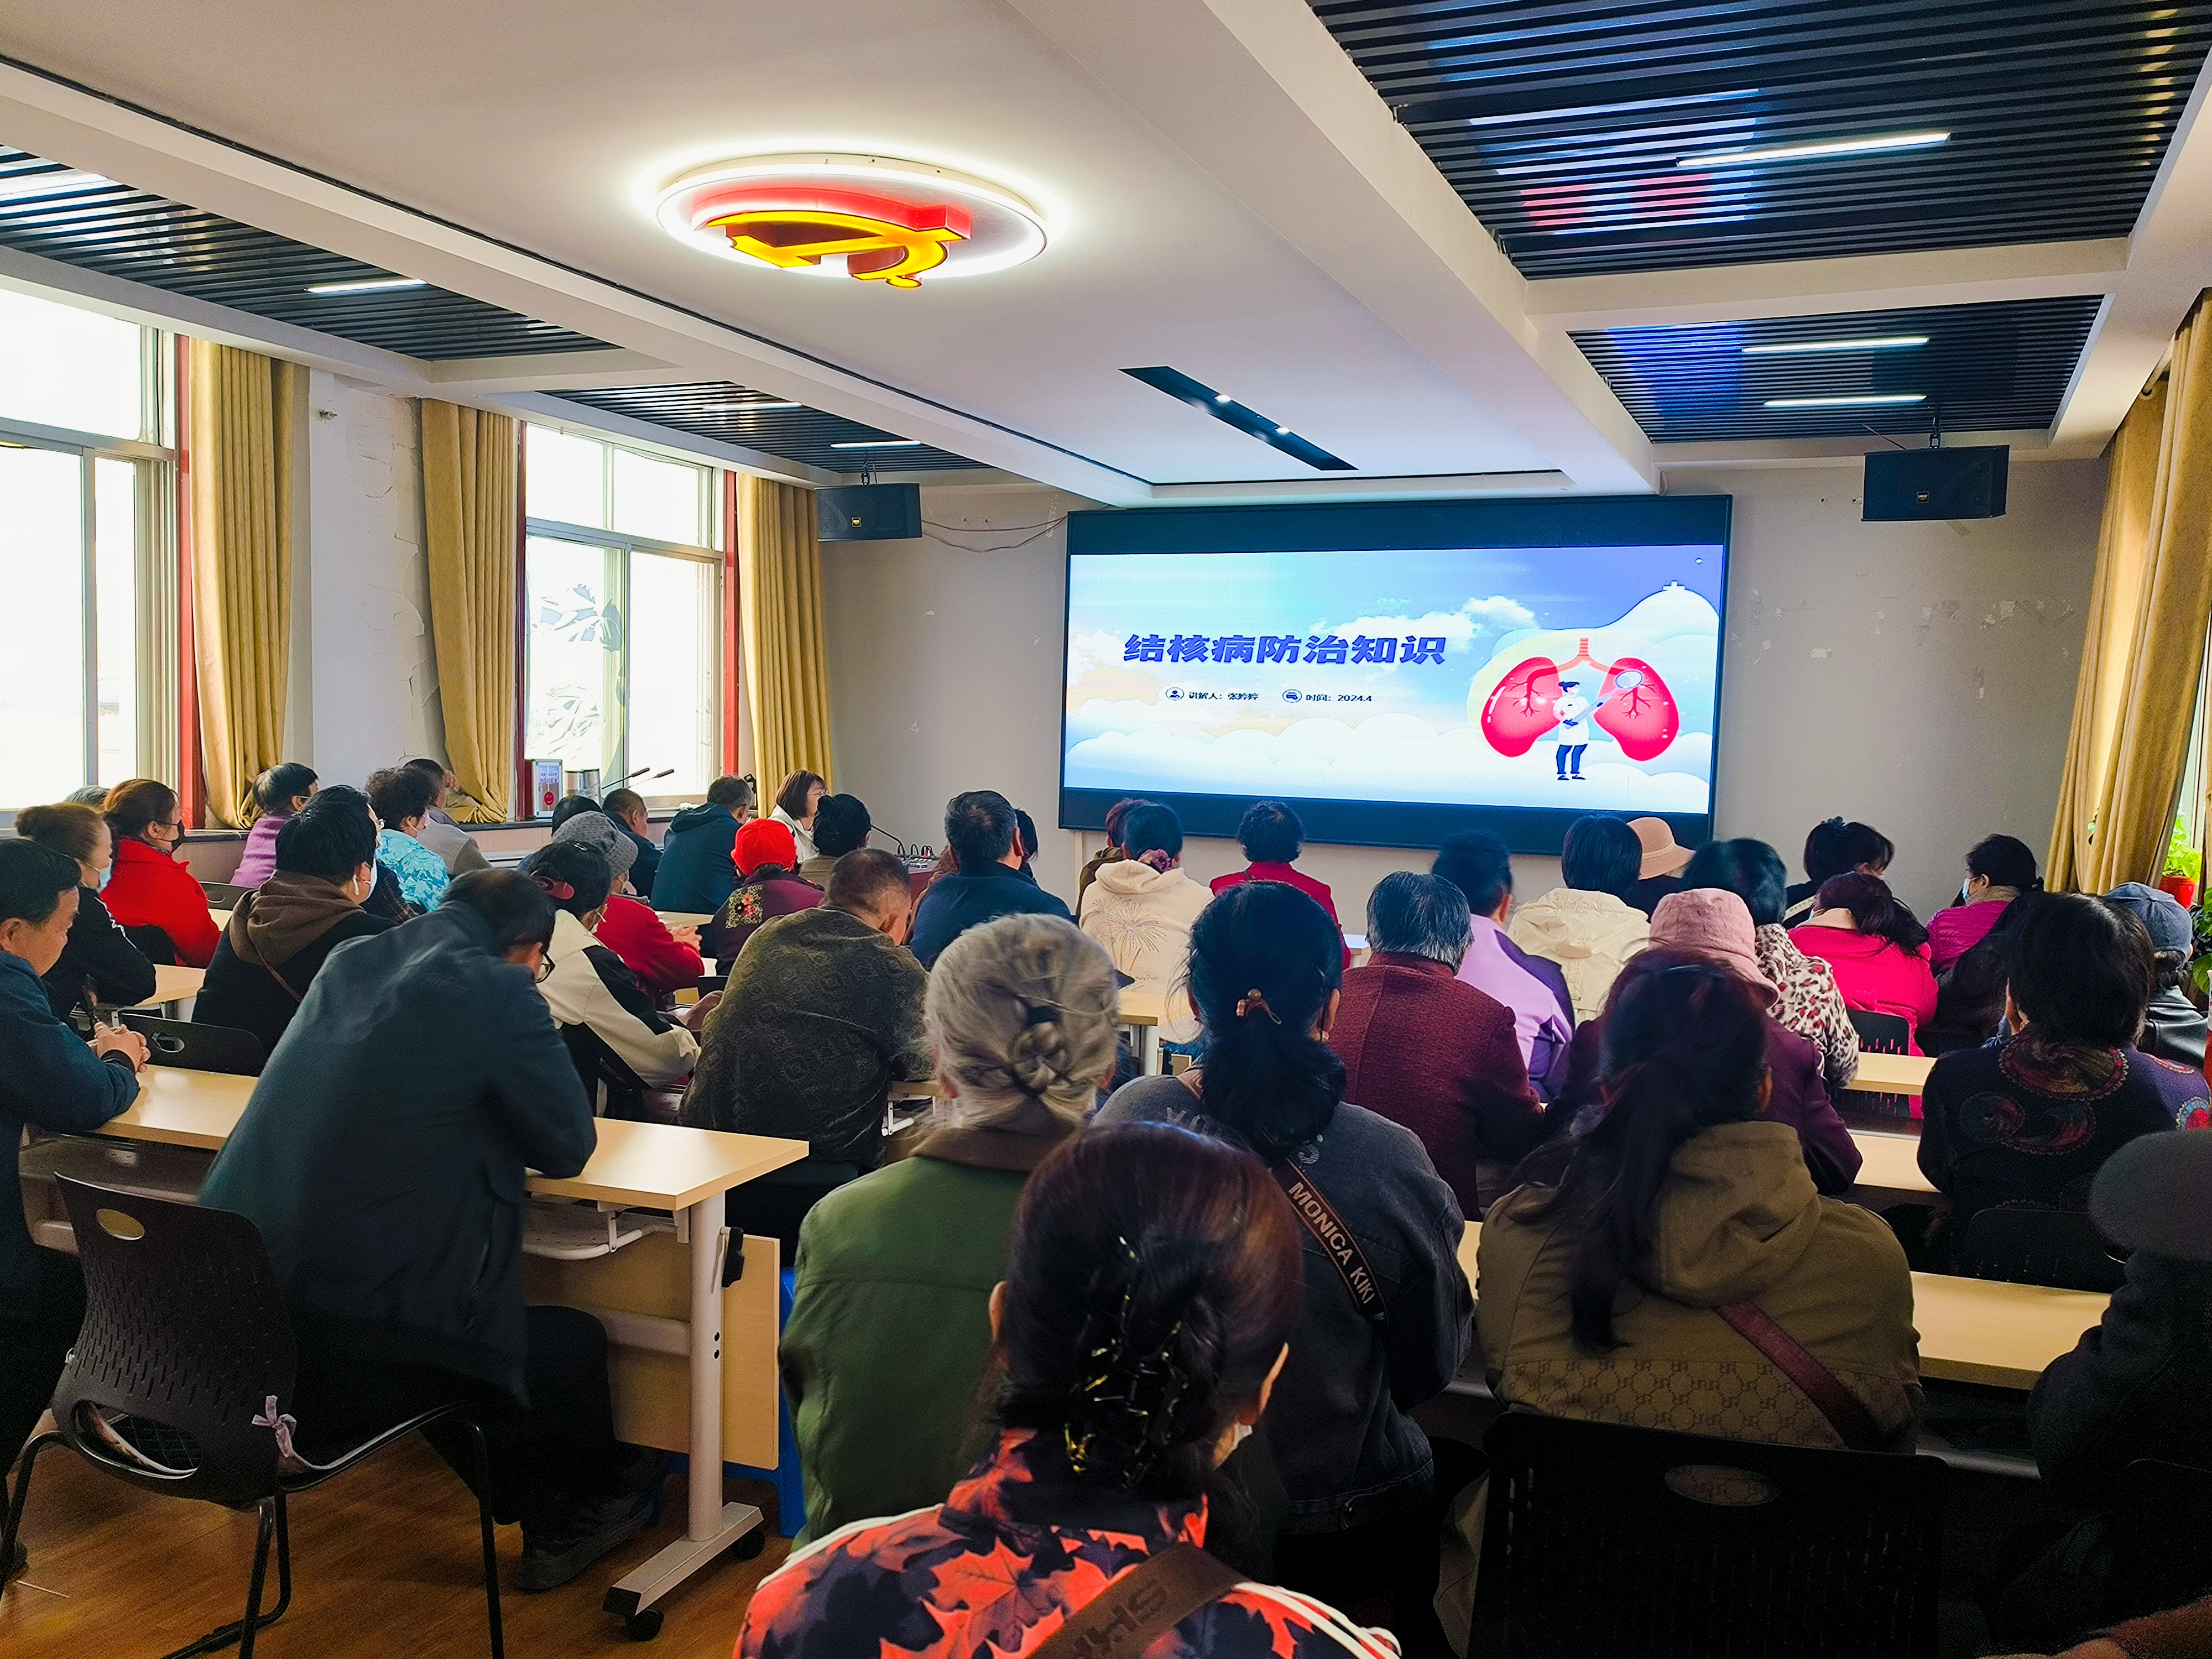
(1712,922)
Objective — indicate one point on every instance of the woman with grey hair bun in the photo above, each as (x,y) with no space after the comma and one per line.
(895,1269)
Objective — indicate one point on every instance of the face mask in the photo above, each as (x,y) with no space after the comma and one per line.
(104,875)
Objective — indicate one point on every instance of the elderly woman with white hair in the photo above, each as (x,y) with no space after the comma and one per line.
(895,1269)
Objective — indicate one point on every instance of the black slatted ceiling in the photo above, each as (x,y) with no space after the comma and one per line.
(95,224)
(715,409)
(1998,367)
(1560,122)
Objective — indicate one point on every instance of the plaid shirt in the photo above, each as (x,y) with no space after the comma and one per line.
(1811,1004)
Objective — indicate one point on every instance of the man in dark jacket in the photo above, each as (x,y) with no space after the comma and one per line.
(51,1077)
(695,873)
(983,833)
(627,808)
(281,934)
(2174,1027)
(383,1156)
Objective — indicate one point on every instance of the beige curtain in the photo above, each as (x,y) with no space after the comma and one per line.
(780,613)
(242,474)
(2144,648)
(468,519)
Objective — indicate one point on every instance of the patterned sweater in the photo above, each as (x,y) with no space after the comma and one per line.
(1811,1004)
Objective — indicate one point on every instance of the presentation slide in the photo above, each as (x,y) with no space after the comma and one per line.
(1390,688)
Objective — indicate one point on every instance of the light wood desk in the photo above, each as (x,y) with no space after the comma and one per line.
(1892,1162)
(1144,1010)
(1890,1074)
(171,987)
(661,1297)
(1971,1330)
(221,920)
(673,919)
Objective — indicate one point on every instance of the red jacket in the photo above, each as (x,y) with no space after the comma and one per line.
(1874,974)
(1316,891)
(634,931)
(150,889)
(1441,1058)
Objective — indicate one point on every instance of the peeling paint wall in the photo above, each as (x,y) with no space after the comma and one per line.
(1919,676)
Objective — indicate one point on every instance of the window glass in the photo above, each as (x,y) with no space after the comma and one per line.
(566,479)
(674,713)
(115,575)
(576,641)
(42,670)
(63,367)
(659,499)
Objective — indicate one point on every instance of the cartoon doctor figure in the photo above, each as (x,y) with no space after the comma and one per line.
(1572,710)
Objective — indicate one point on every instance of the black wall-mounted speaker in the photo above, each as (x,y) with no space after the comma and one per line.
(870,513)
(1936,484)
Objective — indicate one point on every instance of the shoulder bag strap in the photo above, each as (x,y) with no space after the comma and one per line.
(1319,1217)
(1849,1419)
(1140,1606)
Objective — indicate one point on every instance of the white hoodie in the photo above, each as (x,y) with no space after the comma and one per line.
(1590,935)
(1143,918)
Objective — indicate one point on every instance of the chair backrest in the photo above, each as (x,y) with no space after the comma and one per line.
(223,896)
(2024,1245)
(198,1047)
(1601,1539)
(154,944)
(1882,1034)
(184,1328)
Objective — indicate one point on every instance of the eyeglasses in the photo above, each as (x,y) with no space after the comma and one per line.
(544,969)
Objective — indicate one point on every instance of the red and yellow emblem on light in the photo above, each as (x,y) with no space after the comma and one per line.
(862,217)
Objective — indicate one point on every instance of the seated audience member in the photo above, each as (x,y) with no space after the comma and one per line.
(695,873)
(1660,871)
(1835,848)
(93,794)
(442,832)
(1429,1052)
(885,1346)
(1810,1004)
(841,826)
(1272,837)
(985,882)
(51,1079)
(1141,909)
(1025,838)
(1706,925)
(1627,1283)
(2030,1120)
(99,964)
(1112,852)
(149,892)
(664,961)
(2174,1027)
(383,1156)
(569,806)
(1477,863)
(279,794)
(822,1014)
(401,799)
(768,886)
(627,808)
(281,934)
(1999,869)
(1588,927)
(1151,1284)
(796,804)
(1875,947)
(1266,964)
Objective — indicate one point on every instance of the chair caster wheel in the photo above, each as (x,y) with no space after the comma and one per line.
(643,1624)
(750,1545)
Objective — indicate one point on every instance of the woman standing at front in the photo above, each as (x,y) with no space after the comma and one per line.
(151,892)
(1377,1336)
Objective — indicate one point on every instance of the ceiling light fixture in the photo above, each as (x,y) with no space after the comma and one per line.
(1751,158)
(1884,343)
(1249,422)
(370,285)
(880,443)
(1859,401)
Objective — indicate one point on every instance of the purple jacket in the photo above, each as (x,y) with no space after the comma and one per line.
(260,862)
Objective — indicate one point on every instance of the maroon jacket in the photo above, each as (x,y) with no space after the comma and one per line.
(1440,1058)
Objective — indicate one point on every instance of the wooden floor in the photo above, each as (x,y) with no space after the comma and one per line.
(384,1562)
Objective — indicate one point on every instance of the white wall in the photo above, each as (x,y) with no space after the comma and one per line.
(1919,676)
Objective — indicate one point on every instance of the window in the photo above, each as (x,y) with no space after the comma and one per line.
(86,550)
(622,547)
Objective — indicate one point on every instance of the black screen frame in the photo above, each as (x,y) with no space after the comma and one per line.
(1519,522)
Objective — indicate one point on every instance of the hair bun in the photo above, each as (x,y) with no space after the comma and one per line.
(1037,1057)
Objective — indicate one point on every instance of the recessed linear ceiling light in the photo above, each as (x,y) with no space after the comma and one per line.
(1866,401)
(1253,424)
(1885,342)
(370,285)
(1751,158)
(880,443)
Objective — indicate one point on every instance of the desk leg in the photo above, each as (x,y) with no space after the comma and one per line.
(1148,1051)
(714,1525)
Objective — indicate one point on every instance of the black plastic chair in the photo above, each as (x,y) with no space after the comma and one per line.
(2023,1245)
(197,1048)
(1882,1034)
(223,896)
(1641,1544)
(180,1378)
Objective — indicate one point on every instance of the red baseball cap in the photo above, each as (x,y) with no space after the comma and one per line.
(763,841)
